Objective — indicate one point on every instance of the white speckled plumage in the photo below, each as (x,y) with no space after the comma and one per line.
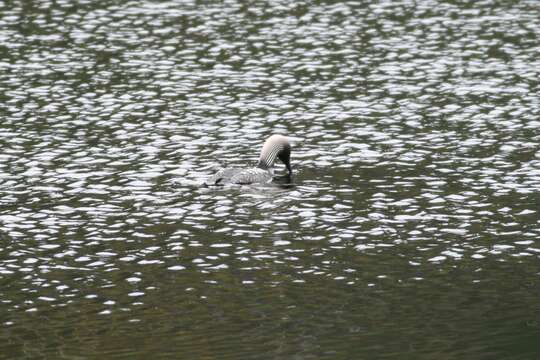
(276,146)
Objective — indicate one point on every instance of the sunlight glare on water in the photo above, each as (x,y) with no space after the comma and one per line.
(411,229)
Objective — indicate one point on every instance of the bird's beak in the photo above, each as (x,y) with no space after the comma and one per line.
(288,166)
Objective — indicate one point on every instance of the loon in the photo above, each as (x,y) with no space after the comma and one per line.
(276,146)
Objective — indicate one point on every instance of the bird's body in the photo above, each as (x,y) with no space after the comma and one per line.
(276,146)
(240,176)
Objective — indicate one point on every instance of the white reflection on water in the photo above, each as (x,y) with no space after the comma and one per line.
(415,154)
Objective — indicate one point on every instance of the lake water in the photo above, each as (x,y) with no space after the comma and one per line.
(411,230)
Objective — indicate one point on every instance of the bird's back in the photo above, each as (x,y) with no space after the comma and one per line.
(239,176)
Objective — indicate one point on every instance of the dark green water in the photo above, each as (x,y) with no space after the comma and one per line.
(412,231)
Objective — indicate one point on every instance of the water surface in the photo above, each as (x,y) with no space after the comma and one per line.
(412,228)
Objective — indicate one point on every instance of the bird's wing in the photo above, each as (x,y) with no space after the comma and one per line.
(250,176)
(221,177)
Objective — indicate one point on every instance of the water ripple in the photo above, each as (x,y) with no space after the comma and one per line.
(415,148)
